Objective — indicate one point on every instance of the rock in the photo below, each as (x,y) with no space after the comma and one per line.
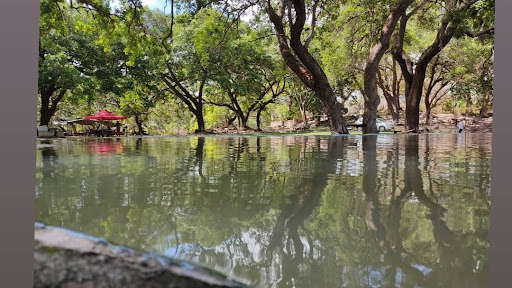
(301,127)
(64,258)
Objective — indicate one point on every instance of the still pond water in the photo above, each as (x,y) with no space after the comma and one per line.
(346,211)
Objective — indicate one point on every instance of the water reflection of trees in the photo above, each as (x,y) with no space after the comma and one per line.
(292,251)
(455,250)
(286,211)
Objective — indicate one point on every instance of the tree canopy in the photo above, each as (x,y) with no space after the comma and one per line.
(214,62)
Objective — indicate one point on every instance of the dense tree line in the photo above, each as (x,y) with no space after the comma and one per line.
(197,65)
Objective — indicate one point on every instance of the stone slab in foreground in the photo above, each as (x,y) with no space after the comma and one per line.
(64,258)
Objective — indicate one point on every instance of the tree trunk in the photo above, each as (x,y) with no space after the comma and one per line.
(193,103)
(371,97)
(231,120)
(301,62)
(415,79)
(427,115)
(412,109)
(332,108)
(396,94)
(486,104)
(139,125)
(393,110)
(303,114)
(199,117)
(390,95)
(243,122)
(44,111)
(264,105)
(258,119)
(200,122)
(395,115)
(49,107)
(199,107)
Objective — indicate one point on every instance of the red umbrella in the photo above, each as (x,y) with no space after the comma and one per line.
(105,115)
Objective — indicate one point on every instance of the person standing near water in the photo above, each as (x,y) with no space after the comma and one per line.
(118,126)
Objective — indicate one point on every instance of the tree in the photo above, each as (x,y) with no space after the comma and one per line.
(162,41)
(195,49)
(275,91)
(137,102)
(343,42)
(75,61)
(471,68)
(186,73)
(437,86)
(60,68)
(371,97)
(389,81)
(303,97)
(455,20)
(296,55)
(247,76)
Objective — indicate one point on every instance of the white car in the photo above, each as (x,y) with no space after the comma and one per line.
(381,124)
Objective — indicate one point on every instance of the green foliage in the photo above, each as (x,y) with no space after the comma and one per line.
(472,73)
(216,116)
(77,57)
(102,57)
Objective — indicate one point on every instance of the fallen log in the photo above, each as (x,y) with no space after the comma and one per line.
(64,258)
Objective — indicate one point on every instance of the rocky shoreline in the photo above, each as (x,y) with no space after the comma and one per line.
(65,258)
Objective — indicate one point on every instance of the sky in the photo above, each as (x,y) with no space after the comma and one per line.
(160,4)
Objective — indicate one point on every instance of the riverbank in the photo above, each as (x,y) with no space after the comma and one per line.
(440,123)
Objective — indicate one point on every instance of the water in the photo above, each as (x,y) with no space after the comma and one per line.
(347,211)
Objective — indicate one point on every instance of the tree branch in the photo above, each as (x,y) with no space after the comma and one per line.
(182,97)
(313,25)
(291,60)
(415,9)
(471,34)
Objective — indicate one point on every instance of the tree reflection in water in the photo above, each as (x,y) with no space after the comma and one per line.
(454,266)
(371,211)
